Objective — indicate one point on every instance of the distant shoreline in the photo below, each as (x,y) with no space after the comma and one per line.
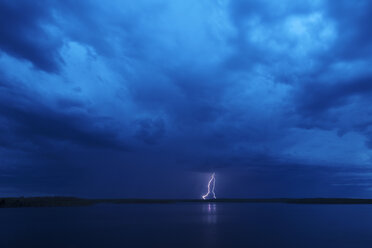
(17,202)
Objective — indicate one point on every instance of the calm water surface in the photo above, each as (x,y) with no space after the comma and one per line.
(188,225)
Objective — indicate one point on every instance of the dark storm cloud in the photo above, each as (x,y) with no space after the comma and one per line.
(37,124)
(317,98)
(279,90)
(356,36)
(24,34)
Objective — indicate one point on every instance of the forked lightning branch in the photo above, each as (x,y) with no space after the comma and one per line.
(211,186)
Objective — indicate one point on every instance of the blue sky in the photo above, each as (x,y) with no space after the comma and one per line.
(147,98)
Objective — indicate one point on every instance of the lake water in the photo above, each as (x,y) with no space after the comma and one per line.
(188,225)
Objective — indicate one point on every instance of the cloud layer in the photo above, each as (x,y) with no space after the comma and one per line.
(134,98)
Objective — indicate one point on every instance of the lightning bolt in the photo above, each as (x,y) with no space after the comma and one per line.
(211,186)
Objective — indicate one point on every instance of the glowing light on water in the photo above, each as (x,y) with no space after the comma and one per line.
(211,186)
